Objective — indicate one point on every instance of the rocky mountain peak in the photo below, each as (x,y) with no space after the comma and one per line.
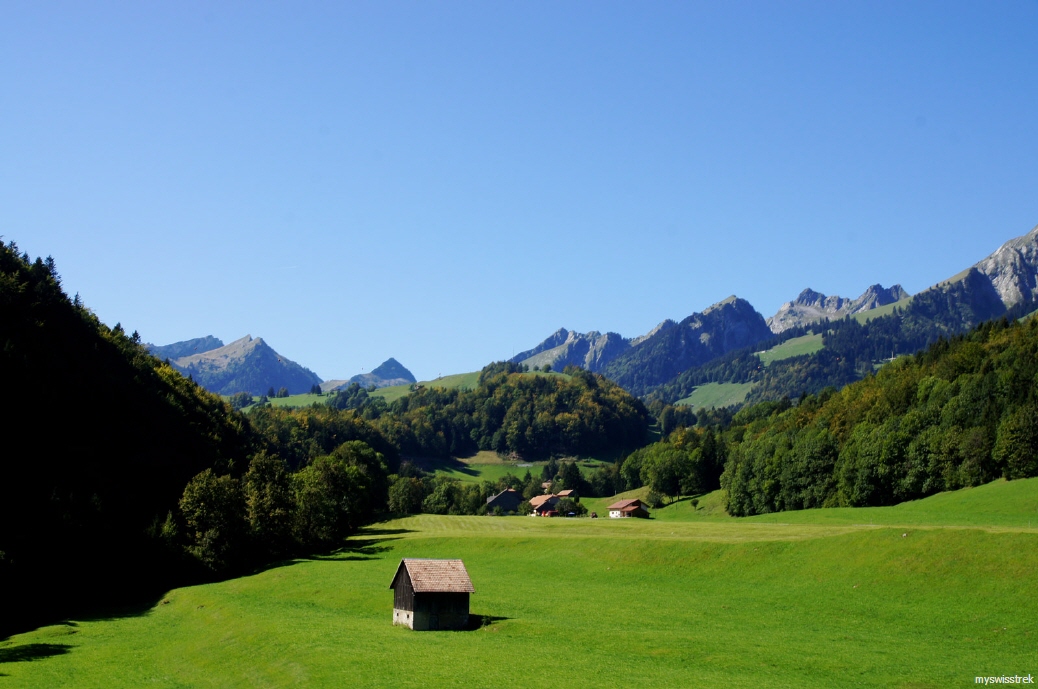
(1013,269)
(811,306)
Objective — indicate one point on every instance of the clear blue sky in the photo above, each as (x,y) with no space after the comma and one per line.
(449,182)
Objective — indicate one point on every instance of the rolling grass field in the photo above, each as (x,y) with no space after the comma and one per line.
(717,395)
(822,599)
(797,346)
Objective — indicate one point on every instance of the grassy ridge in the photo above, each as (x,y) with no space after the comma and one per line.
(661,603)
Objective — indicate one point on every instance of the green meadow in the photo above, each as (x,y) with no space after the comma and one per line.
(465,381)
(797,346)
(924,594)
(717,395)
(888,309)
(490,466)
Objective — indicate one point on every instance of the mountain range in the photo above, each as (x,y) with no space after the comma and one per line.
(251,365)
(810,306)
(1006,279)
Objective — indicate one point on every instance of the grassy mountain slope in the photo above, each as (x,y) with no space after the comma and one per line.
(717,395)
(797,346)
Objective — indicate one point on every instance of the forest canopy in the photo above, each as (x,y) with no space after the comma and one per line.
(961,413)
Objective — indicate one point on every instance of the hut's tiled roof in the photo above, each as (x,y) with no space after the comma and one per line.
(437,576)
(539,500)
(625,503)
(566,493)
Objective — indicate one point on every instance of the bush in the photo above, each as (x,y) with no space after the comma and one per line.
(406,495)
(567,505)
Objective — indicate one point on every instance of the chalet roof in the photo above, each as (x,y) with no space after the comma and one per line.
(539,500)
(566,493)
(626,503)
(508,492)
(436,576)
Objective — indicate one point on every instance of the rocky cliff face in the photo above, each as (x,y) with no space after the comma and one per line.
(245,365)
(1013,269)
(726,326)
(811,306)
(562,348)
(660,354)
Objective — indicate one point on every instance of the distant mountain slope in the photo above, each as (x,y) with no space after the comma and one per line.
(1013,269)
(185,348)
(642,362)
(724,327)
(591,350)
(246,365)
(810,306)
(390,372)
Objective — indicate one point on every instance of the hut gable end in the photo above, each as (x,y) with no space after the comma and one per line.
(431,594)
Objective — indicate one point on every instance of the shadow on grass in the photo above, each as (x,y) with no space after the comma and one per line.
(383,532)
(434,464)
(21,654)
(477,622)
(358,548)
(143,600)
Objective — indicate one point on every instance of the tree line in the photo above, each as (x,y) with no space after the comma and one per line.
(510,411)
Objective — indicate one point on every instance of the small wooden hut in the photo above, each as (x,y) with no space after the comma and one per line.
(431,594)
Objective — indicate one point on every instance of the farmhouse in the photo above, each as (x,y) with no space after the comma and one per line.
(543,504)
(431,594)
(628,508)
(508,500)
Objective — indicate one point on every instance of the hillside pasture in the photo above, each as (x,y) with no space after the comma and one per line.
(797,346)
(886,310)
(717,395)
(663,603)
(490,466)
